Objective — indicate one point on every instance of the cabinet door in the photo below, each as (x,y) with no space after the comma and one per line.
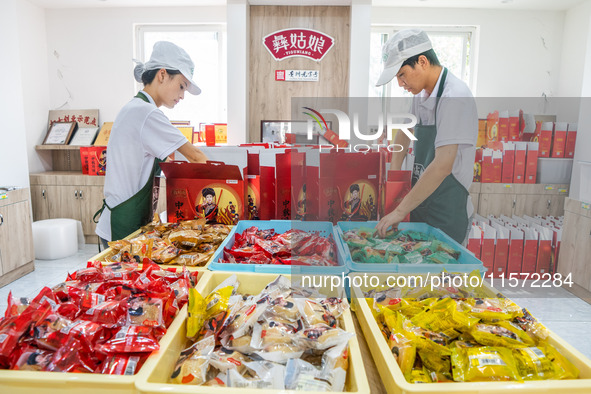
(64,202)
(496,204)
(582,252)
(531,204)
(91,200)
(16,236)
(39,198)
(556,205)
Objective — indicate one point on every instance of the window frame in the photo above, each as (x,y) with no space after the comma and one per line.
(470,33)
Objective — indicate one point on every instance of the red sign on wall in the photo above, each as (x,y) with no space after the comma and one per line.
(286,43)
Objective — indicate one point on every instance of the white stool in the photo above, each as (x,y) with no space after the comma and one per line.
(55,238)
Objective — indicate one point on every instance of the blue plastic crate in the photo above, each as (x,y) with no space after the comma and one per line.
(467,262)
(280,226)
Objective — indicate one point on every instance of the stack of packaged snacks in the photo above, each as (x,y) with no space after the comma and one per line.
(190,243)
(293,247)
(398,247)
(285,337)
(463,334)
(100,320)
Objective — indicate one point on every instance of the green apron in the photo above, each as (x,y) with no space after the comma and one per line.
(136,211)
(446,207)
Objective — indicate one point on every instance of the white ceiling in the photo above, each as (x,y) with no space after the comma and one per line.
(551,5)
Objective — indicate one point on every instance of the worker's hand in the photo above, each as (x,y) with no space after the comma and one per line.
(390,220)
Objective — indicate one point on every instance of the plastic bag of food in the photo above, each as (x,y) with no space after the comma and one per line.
(123,364)
(532,364)
(268,376)
(493,309)
(335,363)
(165,254)
(70,358)
(33,359)
(402,347)
(193,362)
(284,307)
(281,352)
(483,364)
(47,331)
(321,336)
(242,317)
(531,326)
(145,311)
(564,368)
(15,306)
(313,312)
(502,333)
(196,313)
(303,376)
(131,339)
(224,359)
(419,375)
(108,313)
(444,316)
(193,259)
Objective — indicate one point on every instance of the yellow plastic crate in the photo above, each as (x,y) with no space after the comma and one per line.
(155,374)
(29,382)
(395,383)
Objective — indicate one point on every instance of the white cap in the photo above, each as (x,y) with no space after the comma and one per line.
(172,57)
(403,45)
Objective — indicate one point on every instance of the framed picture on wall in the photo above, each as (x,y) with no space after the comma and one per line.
(59,133)
(84,136)
(291,131)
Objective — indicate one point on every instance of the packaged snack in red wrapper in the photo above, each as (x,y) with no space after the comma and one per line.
(131,339)
(145,311)
(108,313)
(87,332)
(16,306)
(70,358)
(33,359)
(68,309)
(46,332)
(123,364)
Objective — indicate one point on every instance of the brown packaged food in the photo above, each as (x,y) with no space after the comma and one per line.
(191,259)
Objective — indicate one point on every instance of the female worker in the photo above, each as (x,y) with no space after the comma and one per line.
(141,138)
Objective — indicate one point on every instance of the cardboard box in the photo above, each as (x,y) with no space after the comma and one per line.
(102,139)
(94,160)
(221,133)
(253,186)
(508,162)
(530,250)
(544,261)
(514,126)
(501,249)
(559,141)
(475,240)
(492,127)
(290,183)
(545,139)
(515,250)
(571,139)
(487,254)
(531,162)
(267,163)
(503,126)
(497,166)
(478,166)
(519,168)
(481,140)
(212,190)
(398,184)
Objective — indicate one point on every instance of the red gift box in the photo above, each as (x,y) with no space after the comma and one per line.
(475,240)
(508,162)
(213,190)
(504,126)
(515,250)
(497,166)
(267,160)
(253,186)
(492,127)
(571,139)
(545,139)
(501,249)
(530,250)
(487,166)
(519,168)
(94,159)
(544,261)
(478,166)
(514,126)
(559,141)
(487,253)
(398,184)
(531,162)
(290,180)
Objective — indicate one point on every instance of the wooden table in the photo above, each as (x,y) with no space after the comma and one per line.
(375,382)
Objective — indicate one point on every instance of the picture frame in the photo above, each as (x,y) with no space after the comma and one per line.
(84,136)
(275,131)
(60,133)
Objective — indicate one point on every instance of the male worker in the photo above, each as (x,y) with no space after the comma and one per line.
(446,132)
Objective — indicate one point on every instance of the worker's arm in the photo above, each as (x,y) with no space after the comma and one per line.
(434,174)
(192,153)
(398,157)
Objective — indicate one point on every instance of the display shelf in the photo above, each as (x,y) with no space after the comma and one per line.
(59,147)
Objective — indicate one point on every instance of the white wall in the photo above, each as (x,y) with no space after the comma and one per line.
(95,48)
(238,29)
(35,85)
(519,51)
(14,168)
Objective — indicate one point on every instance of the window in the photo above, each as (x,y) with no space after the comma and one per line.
(206,45)
(455,47)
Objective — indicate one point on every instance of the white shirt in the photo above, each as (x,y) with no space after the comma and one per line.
(457,123)
(140,133)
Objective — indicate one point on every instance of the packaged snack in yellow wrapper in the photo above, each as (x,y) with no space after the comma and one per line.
(493,309)
(531,326)
(444,316)
(502,333)
(402,347)
(564,369)
(483,364)
(196,311)
(532,364)
(206,316)
(419,375)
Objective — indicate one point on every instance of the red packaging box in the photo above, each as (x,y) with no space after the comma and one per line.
(515,251)
(531,162)
(514,126)
(253,186)
(497,166)
(508,162)
(84,159)
(212,190)
(519,169)
(475,241)
(544,261)
(357,184)
(501,249)
(290,180)
(504,126)
(492,127)
(487,254)
(571,139)
(97,160)
(478,166)
(487,166)
(559,141)
(556,238)
(267,163)
(481,140)
(398,184)
(545,139)
(530,250)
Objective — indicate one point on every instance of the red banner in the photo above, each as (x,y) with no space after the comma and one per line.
(288,43)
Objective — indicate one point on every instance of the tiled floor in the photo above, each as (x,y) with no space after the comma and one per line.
(563,313)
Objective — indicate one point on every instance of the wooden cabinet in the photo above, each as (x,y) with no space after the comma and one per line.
(521,199)
(16,236)
(575,246)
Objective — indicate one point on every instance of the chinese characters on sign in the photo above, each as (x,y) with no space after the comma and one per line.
(308,43)
(297,75)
